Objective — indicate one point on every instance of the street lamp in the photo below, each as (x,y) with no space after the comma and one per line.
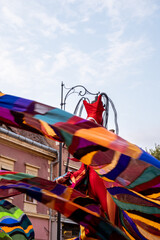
(82,93)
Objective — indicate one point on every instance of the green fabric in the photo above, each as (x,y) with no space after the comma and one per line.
(149,174)
(145,209)
(17,177)
(4,236)
(16,214)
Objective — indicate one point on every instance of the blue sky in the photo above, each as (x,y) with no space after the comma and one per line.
(106,45)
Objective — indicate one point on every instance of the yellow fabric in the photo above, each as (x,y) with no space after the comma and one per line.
(97,135)
(127,233)
(154,195)
(87,159)
(48,129)
(144,220)
(147,234)
(9,229)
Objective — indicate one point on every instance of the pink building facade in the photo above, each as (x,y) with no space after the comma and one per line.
(18,153)
(33,154)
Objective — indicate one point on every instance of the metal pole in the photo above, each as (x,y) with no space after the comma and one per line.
(60,172)
(50,210)
(82,92)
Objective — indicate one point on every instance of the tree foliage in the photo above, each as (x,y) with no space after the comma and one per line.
(155,152)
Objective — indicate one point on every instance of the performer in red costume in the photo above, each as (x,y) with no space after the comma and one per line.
(86,180)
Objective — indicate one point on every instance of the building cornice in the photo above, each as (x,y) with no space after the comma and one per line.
(8,158)
(37,215)
(26,144)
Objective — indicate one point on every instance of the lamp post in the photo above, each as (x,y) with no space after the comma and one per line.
(82,93)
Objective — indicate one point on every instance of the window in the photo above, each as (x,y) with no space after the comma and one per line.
(7,163)
(70,230)
(30,204)
(32,170)
(29,199)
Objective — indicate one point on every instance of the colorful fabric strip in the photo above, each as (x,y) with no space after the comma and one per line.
(14,222)
(71,203)
(131,175)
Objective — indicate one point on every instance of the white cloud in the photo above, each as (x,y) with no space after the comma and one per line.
(89,30)
(32,18)
(12,18)
(69,58)
(102,61)
(118,10)
(51,24)
(10,71)
(126,53)
(140,9)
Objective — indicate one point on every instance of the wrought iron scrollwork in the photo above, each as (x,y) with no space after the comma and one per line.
(82,92)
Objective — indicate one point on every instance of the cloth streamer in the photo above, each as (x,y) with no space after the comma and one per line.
(131,175)
(14,222)
(71,203)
